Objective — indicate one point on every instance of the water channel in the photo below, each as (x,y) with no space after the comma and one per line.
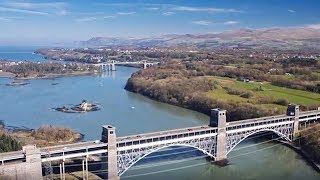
(31,106)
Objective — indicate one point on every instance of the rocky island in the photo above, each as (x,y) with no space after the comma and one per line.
(84,106)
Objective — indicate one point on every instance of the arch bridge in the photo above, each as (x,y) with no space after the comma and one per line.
(216,140)
(111,65)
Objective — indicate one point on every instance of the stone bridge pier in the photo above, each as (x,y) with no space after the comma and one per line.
(218,119)
(110,66)
(30,169)
(293,110)
(109,136)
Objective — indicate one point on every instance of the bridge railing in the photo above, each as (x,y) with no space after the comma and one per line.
(258,122)
(164,136)
(309,115)
(304,116)
(9,156)
(59,151)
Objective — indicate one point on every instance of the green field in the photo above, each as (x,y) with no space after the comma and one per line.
(300,97)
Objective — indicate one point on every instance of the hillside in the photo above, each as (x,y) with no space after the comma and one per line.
(244,90)
(282,38)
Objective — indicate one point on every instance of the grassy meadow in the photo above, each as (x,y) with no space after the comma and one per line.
(262,93)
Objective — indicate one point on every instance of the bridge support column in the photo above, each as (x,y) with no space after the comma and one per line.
(113,67)
(144,65)
(109,136)
(218,119)
(293,110)
(33,162)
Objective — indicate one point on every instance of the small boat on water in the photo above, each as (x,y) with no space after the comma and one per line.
(16,83)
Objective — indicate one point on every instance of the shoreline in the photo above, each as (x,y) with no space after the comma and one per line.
(298,150)
(47,76)
(6,74)
(23,135)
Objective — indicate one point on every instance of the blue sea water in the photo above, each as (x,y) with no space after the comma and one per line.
(20,53)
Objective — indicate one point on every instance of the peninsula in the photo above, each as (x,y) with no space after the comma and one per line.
(33,70)
(12,139)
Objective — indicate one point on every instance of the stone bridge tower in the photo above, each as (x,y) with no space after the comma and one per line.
(293,110)
(218,119)
(109,136)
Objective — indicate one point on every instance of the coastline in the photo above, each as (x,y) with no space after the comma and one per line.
(307,158)
(6,75)
(47,76)
(24,136)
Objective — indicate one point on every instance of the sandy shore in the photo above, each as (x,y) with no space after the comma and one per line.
(6,74)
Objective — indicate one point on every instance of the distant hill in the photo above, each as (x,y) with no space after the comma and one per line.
(283,38)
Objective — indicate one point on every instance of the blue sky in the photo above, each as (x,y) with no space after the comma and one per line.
(39,21)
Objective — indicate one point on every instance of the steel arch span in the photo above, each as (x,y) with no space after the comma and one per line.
(128,158)
(233,139)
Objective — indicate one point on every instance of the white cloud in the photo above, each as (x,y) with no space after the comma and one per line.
(169,13)
(4,19)
(202,22)
(6,9)
(126,13)
(201,9)
(86,19)
(109,17)
(230,22)
(291,11)
(36,5)
(313,26)
(152,8)
(57,8)
(115,4)
(62,12)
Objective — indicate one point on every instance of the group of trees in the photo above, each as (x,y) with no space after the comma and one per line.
(43,136)
(28,68)
(51,134)
(176,85)
(184,83)
(7,143)
(310,141)
(296,76)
